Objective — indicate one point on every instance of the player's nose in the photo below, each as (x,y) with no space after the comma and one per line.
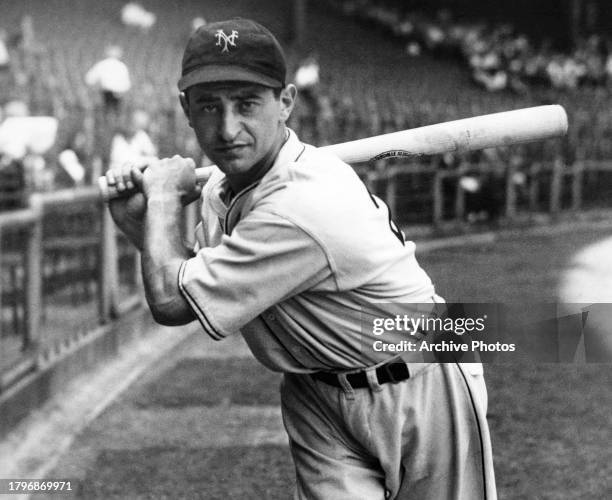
(229,126)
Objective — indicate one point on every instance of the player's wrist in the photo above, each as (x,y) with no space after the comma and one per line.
(163,198)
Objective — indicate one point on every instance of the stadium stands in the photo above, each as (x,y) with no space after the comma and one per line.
(368,83)
(360,65)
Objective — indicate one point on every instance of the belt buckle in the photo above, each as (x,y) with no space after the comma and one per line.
(387,370)
(392,378)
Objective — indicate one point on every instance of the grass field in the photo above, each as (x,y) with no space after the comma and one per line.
(522,268)
(550,423)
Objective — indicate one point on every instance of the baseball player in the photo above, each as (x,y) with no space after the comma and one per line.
(292,249)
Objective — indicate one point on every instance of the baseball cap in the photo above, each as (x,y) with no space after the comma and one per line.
(234,50)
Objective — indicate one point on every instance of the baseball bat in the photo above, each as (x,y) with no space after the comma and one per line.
(469,134)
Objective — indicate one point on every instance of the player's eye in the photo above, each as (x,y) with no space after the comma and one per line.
(209,108)
(207,105)
(247,106)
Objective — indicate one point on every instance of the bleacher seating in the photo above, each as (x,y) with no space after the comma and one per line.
(362,69)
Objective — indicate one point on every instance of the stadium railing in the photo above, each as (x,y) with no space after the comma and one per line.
(65,270)
(425,194)
(21,236)
(70,296)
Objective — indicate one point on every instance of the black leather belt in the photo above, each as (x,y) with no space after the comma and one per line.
(391,372)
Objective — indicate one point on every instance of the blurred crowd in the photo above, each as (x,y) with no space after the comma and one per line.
(499,57)
(48,141)
(110,103)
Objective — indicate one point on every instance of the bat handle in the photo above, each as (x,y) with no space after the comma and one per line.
(110,192)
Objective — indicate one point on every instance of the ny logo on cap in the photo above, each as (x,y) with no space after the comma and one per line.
(222,37)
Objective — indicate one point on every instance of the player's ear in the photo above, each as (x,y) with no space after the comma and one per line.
(288,94)
(185,106)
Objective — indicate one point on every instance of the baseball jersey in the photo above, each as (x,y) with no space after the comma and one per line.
(292,260)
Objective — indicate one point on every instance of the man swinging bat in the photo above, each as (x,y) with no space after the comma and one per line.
(293,252)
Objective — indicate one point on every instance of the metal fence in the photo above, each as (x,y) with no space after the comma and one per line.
(429,195)
(64,270)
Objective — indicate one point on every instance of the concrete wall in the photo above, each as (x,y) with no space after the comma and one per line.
(100,345)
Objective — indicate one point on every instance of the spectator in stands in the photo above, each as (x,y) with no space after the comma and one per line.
(112,77)
(71,165)
(28,141)
(13,141)
(499,57)
(5,58)
(197,22)
(565,72)
(5,64)
(307,81)
(133,144)
(135,15)
(536,63)
(608,69)
(593,57)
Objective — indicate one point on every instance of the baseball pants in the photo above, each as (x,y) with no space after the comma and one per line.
(424,438)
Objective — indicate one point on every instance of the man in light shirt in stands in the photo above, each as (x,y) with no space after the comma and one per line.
(112,77)
(5,64)
(132,144)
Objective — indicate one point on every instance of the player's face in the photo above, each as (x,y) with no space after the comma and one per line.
(240,126)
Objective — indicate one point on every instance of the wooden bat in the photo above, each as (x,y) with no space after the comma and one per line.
(470,134)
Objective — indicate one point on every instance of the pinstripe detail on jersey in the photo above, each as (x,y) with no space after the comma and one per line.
(200,314)
(482,454)
(246,190)
(301,153)
(226,223)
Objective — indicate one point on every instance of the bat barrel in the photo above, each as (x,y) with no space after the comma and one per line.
(469,134)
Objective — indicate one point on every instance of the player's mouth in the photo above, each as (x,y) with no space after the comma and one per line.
(231,150)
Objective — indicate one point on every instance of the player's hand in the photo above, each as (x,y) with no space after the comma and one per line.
(128,210)
(121,178)
(174,175)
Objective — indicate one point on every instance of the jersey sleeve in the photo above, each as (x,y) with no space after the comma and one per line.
(266,260)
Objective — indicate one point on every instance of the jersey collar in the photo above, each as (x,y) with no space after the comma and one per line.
(291,150)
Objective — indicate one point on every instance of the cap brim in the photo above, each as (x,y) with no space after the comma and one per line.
(225,73)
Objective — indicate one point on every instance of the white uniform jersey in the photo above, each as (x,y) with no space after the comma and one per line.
(293,261)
